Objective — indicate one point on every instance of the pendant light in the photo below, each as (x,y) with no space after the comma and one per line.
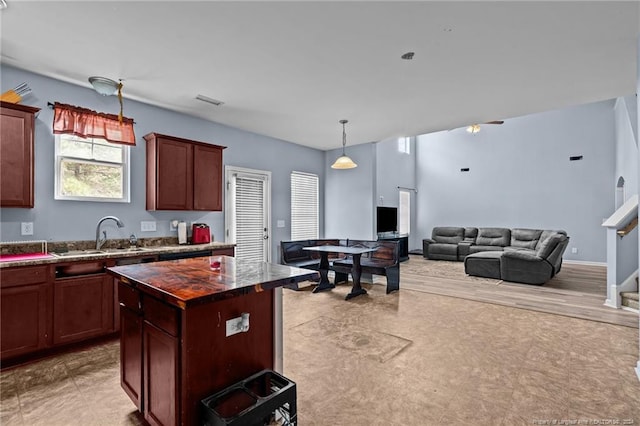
(344,162)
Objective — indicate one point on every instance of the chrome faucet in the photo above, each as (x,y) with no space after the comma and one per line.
(101,241)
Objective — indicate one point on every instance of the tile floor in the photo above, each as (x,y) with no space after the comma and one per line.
(438,361)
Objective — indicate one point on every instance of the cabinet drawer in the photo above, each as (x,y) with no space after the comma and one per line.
(161,315)
(24,275)
(128,297)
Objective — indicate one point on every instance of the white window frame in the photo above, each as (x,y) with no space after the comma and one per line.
(59,158)
(404,145)
(404,212)
(305,188)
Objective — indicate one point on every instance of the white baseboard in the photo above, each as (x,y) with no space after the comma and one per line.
(584,262)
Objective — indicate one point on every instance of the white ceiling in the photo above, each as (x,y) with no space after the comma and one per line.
(292,70)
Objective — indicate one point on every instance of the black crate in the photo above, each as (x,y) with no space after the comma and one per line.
(254,401)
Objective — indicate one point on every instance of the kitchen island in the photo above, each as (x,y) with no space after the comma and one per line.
(175,346)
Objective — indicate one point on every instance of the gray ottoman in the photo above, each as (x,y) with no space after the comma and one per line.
(484,264)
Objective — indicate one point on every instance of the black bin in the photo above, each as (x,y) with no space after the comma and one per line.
(254,401)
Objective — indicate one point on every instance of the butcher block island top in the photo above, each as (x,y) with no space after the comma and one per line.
(188,282)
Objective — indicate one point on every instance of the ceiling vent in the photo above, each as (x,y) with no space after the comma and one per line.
(209,100)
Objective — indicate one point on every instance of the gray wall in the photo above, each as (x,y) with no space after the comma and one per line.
(349,194)
(56,220)
(520,176)
(394,169)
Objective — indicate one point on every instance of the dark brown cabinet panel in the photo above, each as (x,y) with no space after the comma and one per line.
(130,307)
(160,369)
(183,174)
(25,299)
(83,307)
(16,154)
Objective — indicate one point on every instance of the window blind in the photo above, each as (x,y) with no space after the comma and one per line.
(304,206)
(250,226)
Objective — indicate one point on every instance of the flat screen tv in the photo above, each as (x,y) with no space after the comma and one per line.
(387,219)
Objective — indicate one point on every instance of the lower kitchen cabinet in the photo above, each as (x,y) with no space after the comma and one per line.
(82,304)
(160,373)
(149,350)
(25,308)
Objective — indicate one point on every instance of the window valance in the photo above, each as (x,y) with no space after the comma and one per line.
(91,124)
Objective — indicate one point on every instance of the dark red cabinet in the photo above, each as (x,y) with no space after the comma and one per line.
(25,299)
(82,304)
(16,154)
(183,174)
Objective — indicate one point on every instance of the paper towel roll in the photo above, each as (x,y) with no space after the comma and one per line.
(182,233)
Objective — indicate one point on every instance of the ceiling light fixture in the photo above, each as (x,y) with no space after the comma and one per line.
(105,86)
(474,128)
(344,162)
(408,56)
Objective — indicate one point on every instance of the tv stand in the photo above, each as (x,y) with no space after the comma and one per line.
(403,243)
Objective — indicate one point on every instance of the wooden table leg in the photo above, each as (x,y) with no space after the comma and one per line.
(324,283)
(356,271)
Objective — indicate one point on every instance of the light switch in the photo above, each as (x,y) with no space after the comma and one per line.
(280,224)
(148,226)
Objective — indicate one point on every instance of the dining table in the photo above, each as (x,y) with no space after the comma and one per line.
(356,270)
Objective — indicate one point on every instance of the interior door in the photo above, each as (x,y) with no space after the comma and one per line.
(248,213)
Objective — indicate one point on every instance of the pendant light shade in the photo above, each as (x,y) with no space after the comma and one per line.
(344,162)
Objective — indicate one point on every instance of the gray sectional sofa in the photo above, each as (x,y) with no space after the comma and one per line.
(531,256)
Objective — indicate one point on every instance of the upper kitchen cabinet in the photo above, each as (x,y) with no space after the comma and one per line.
(16,154)
(183,174)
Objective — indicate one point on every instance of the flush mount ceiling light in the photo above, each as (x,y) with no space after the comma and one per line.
(474,128)
(343,162)
(105,86)
(408,56)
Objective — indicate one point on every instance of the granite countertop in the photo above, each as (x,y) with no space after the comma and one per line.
(80,251)
(187,282)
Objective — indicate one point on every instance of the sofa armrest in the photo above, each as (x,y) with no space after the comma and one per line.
(425,247)
(464,248)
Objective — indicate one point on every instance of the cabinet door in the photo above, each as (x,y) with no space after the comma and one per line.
(24,314)
(160,367)
(82,307)
(174,171)
(16,156)
(207,178)
(131,354)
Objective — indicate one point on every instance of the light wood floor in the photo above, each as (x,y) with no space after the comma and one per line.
(577,291)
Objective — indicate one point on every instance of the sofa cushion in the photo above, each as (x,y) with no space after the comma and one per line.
(546,234)
(493,237)
(445,249)
(548,245)
(525,238)
(479,249)
(470,234)
(447,234)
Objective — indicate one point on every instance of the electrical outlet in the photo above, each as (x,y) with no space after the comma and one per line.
(173,225)
(280,224)
(147,226)
(26,228)
(234,326)
(574,250)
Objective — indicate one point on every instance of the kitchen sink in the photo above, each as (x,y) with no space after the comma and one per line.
(127,250)
(72,253)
